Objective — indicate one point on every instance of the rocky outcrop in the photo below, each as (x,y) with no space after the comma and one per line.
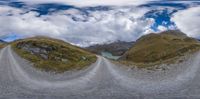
(42,50)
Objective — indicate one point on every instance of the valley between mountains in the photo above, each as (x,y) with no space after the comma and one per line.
(45,68)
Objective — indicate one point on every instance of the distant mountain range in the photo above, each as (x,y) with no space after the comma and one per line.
(116,48)
(119,48)
(149,49)
(1,41)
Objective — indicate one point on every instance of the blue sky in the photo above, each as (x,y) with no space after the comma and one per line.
(96,22)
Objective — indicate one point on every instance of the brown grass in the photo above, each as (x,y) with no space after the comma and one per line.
(2,45)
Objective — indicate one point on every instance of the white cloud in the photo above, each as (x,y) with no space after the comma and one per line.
(6,10)
(85,3)
(162,28)
(188,21)
(122,23)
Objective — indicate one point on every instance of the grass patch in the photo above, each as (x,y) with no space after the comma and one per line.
(53,55)
(2,45)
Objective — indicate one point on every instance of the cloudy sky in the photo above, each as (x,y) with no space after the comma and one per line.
(88,22)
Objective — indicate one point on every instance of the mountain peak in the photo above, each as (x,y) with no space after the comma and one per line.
(174,32)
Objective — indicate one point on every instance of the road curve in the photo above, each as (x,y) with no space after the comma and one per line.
(102,80)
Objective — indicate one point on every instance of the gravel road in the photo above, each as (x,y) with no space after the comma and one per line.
(102,80)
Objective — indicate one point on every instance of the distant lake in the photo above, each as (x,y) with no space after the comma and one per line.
(109,55)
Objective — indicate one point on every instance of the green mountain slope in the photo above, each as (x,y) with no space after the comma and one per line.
(166,47)
(53,55)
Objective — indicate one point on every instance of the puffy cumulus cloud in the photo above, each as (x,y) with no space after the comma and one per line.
(126,24)
(25,23)
(86,3)
(6,10)
(188,21)
(162,28)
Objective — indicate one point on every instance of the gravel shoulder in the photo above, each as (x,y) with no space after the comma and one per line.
(158,81)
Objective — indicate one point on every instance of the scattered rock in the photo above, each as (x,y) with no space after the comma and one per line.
(44,56)
(83,58)
(64,60)
(57,58)
(34,50)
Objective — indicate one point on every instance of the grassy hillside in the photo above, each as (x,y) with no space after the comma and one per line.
(154,49)
(53,55)
(2,44)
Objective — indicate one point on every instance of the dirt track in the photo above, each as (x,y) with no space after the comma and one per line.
(102,80)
